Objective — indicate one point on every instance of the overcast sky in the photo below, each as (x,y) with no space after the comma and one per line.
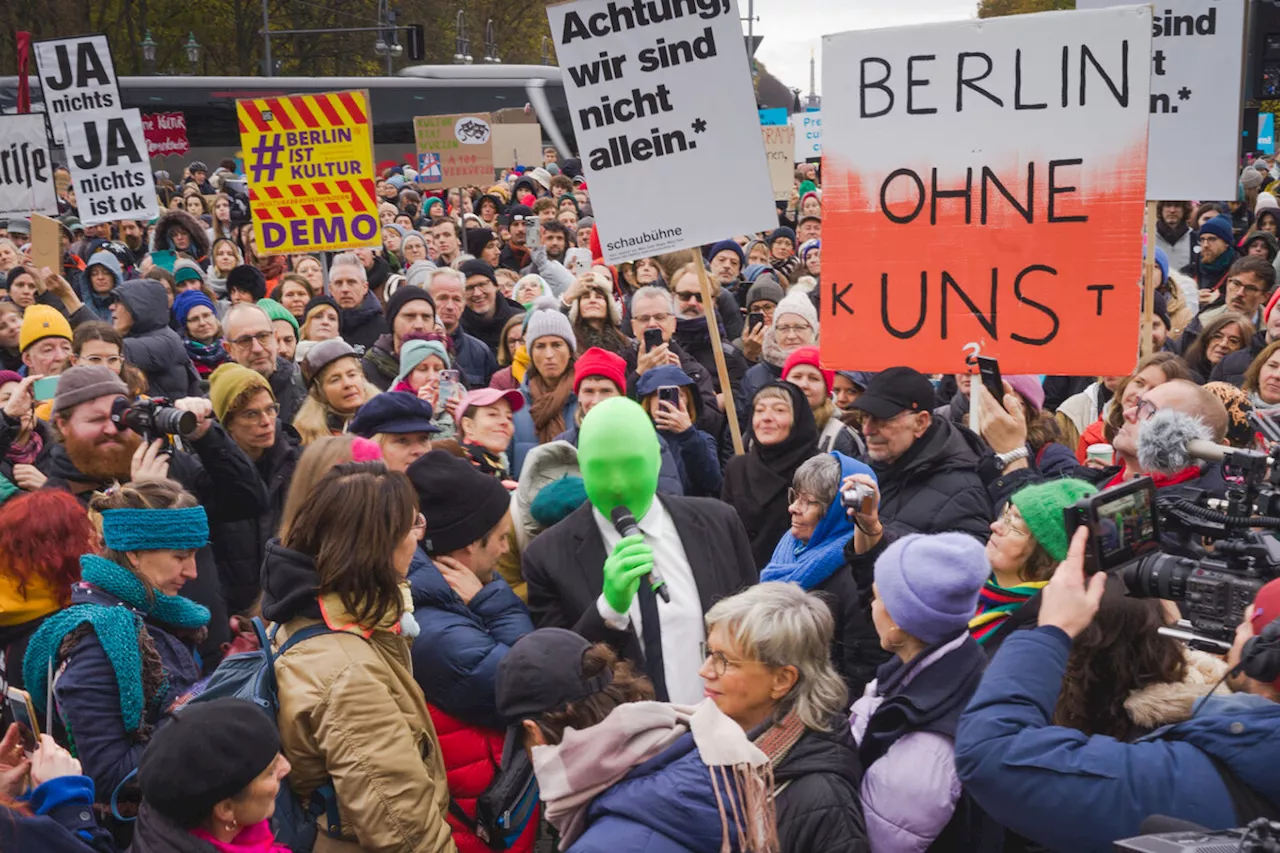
(792,27)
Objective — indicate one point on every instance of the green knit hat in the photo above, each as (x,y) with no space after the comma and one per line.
(806,187)
(1041,506)
(276,311)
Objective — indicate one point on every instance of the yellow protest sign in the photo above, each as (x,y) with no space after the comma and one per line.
(454,150)
(309,160)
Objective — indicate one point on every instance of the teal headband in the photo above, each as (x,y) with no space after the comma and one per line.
(155,529)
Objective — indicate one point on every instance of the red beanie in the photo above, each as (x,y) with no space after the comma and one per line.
(599,362)
(1271,304)
(808,355)
(1266,609)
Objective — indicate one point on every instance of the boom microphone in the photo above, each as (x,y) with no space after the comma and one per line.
(625,523)
(1171,441)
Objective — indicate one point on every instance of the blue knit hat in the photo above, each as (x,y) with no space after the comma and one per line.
(1162,261)
(187,300)
(782,231)
(728,246)
(929,584)
(1219,226)
(415,352)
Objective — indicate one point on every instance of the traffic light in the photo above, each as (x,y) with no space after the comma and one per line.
(417,42)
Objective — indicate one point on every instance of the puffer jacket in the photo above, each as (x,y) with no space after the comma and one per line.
(350,712)
(935,487)
(100,304)
(152,346)
(1021,769)
(525,437)
(60,820)
(818,808)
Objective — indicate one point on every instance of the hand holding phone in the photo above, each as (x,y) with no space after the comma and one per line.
(989,370)
(754,319)
(449,387)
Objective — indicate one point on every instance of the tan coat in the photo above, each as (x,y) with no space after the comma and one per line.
(351,711)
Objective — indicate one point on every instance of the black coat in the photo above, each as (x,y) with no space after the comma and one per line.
(489,329)
(710,418)
(288,388)
(239,546)
(564,565)
(935,486)
(820,808)
(855,646)
(363,325)
(155,833)
(696,341)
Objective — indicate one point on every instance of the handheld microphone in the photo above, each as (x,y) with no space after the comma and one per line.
(625,523)
(1171,441)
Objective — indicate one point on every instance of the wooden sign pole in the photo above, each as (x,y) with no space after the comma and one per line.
(722,368)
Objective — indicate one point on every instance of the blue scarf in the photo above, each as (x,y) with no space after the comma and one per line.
(811,563)
(118,630)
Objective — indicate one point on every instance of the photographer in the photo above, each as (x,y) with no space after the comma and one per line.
(1216,770)
(93,451)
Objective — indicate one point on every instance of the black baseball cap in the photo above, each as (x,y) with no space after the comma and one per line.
(542,672)
(896,390)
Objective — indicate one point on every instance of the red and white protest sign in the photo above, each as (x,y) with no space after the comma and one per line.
(166,134)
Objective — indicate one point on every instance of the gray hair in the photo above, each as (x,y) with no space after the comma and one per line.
(819,478)
(238,308)
(780,624)
(654,290)
(348,259)
(449,273)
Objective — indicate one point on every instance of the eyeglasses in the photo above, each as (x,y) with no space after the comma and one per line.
(720,662)
(646,319)
(268,413)
(1146,409)
(1251,289)
(695,296)
(112,361)
(263,339)
(1010,522)
(794,497)
(792,329)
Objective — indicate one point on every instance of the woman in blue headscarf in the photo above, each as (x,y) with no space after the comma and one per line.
(811,554)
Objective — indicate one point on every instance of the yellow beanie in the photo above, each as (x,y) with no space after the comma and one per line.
(228,382)
(40,322)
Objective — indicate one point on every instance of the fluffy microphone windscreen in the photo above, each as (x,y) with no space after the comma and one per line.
(1163,438)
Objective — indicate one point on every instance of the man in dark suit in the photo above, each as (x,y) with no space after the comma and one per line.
(584,575)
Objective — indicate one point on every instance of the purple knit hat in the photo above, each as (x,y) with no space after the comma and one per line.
(929,584)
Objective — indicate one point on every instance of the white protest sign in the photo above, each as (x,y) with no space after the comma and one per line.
(110,169)
(77,79)
(661,98)
(1004,146)
(779,145)
(808,135)
(1197,49)
(26,172)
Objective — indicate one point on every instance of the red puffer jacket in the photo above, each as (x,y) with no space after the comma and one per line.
(471,754)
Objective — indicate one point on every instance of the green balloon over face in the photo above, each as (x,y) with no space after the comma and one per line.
(619,456)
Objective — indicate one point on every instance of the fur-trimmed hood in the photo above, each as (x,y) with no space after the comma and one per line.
(181,219)
(1164,704)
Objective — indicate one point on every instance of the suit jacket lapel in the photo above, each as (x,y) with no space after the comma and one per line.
(697,549)
(589,552)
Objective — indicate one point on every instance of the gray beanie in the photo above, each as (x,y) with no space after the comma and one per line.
(547,319)
(84,383)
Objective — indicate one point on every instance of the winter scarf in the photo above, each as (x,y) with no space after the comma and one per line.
(771,351)
(206,357)
(1171,234)
(997,603)
(694,330)
(120,630)
(520,363)
(809,564)
(25,453)
(1260,404)
(572,773)
(547,409)
(1219,265)
(257,838)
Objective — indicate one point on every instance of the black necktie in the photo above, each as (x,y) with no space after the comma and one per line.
(652,625)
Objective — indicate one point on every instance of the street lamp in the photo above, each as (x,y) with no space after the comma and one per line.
(490,44)
(148,45)
(546,54)
(192,47)
(461,44)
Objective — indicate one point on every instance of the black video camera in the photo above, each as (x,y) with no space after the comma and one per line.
(1212,588)
(152,419)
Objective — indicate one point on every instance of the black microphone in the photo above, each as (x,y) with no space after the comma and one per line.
(625,523)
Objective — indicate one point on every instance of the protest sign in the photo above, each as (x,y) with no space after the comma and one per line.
(997,168)
(808,127)
(110,169)
(1267,133)
(1197,49)
(773,115)
(77,80)
(660,97)
(454,150)
(26,172)
(166,133)
(779,145)
(515,144)
(46,243)
(309,161)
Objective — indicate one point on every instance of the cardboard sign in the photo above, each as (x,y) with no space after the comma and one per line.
(1197,52)
(657,106)
(26,171)
(516,144)
(309,161)
(46,243)
(110,168)
(808,127)
(77,80)
(779,143)
(998,168)
(454,150)
(166,134)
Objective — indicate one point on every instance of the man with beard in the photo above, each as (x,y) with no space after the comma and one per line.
(94,451)
(487,309)
(1216,254)
(695,338)
(515,255)
(409,312)
(1173,234)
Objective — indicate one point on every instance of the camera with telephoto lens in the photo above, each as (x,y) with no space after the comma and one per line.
(152,419)
(1191,547)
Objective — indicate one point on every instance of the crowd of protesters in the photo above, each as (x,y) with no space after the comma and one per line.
(405,475)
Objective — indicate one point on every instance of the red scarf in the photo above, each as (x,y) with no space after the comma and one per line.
(1161,480)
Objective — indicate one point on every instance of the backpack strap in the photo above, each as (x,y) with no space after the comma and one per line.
(115,798)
